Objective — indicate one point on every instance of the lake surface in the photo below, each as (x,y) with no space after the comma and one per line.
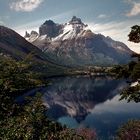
(89,102)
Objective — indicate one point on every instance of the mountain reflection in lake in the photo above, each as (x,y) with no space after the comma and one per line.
(89,102)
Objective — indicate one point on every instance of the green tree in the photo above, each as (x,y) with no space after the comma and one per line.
(134,35)
(129,131)
(15,77)
(131,94)
(27,121)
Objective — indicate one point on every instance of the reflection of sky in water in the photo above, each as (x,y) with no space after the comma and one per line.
(116,107)
(106,117)
(71,122)
(109,115)
(90,103)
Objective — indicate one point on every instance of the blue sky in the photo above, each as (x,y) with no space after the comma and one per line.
(110,17)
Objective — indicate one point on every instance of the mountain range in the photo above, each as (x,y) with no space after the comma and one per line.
(74,44)
(71,44)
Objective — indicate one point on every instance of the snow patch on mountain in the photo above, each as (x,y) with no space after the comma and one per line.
(67,32)
(71,30)
(74,44)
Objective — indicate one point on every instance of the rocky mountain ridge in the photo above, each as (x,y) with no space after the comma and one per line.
(74,44)
(15,46)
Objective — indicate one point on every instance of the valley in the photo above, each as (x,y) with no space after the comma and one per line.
(64,82)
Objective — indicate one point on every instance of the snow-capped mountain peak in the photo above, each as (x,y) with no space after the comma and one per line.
(70,31)
(73,29)
(77,22)
(74,44)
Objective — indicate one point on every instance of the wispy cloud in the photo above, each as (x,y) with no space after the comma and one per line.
(102,16)
(25,5)
(31,26)
(128,1)
(135,10)
(114,107)
(117,30)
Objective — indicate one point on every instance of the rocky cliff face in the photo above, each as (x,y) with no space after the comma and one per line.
(50,29)
(74,44)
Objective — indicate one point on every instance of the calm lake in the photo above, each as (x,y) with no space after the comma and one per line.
(89,102)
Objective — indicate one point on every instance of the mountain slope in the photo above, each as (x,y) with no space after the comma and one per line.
(74,44)
(17,47)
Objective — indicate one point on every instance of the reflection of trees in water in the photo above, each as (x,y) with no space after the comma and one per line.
(77,97)
(131,93)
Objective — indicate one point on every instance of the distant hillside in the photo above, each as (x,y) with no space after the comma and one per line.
(15,46)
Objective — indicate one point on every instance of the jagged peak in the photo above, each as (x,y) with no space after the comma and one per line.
(75,20)
(77,23)
(34,33)
(26,35)
(49,22)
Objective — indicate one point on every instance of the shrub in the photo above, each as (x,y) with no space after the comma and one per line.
(129,131)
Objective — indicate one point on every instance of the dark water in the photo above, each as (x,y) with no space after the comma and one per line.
(89,102)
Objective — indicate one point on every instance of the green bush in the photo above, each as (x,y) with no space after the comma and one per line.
(129,131)
(131,94)
(28,121)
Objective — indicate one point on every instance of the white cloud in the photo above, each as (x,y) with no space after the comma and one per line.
(31,26)
(114,107)
(25,5)
(117,30)
(22,31)
(135,8)
(102,16)
(129,1)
